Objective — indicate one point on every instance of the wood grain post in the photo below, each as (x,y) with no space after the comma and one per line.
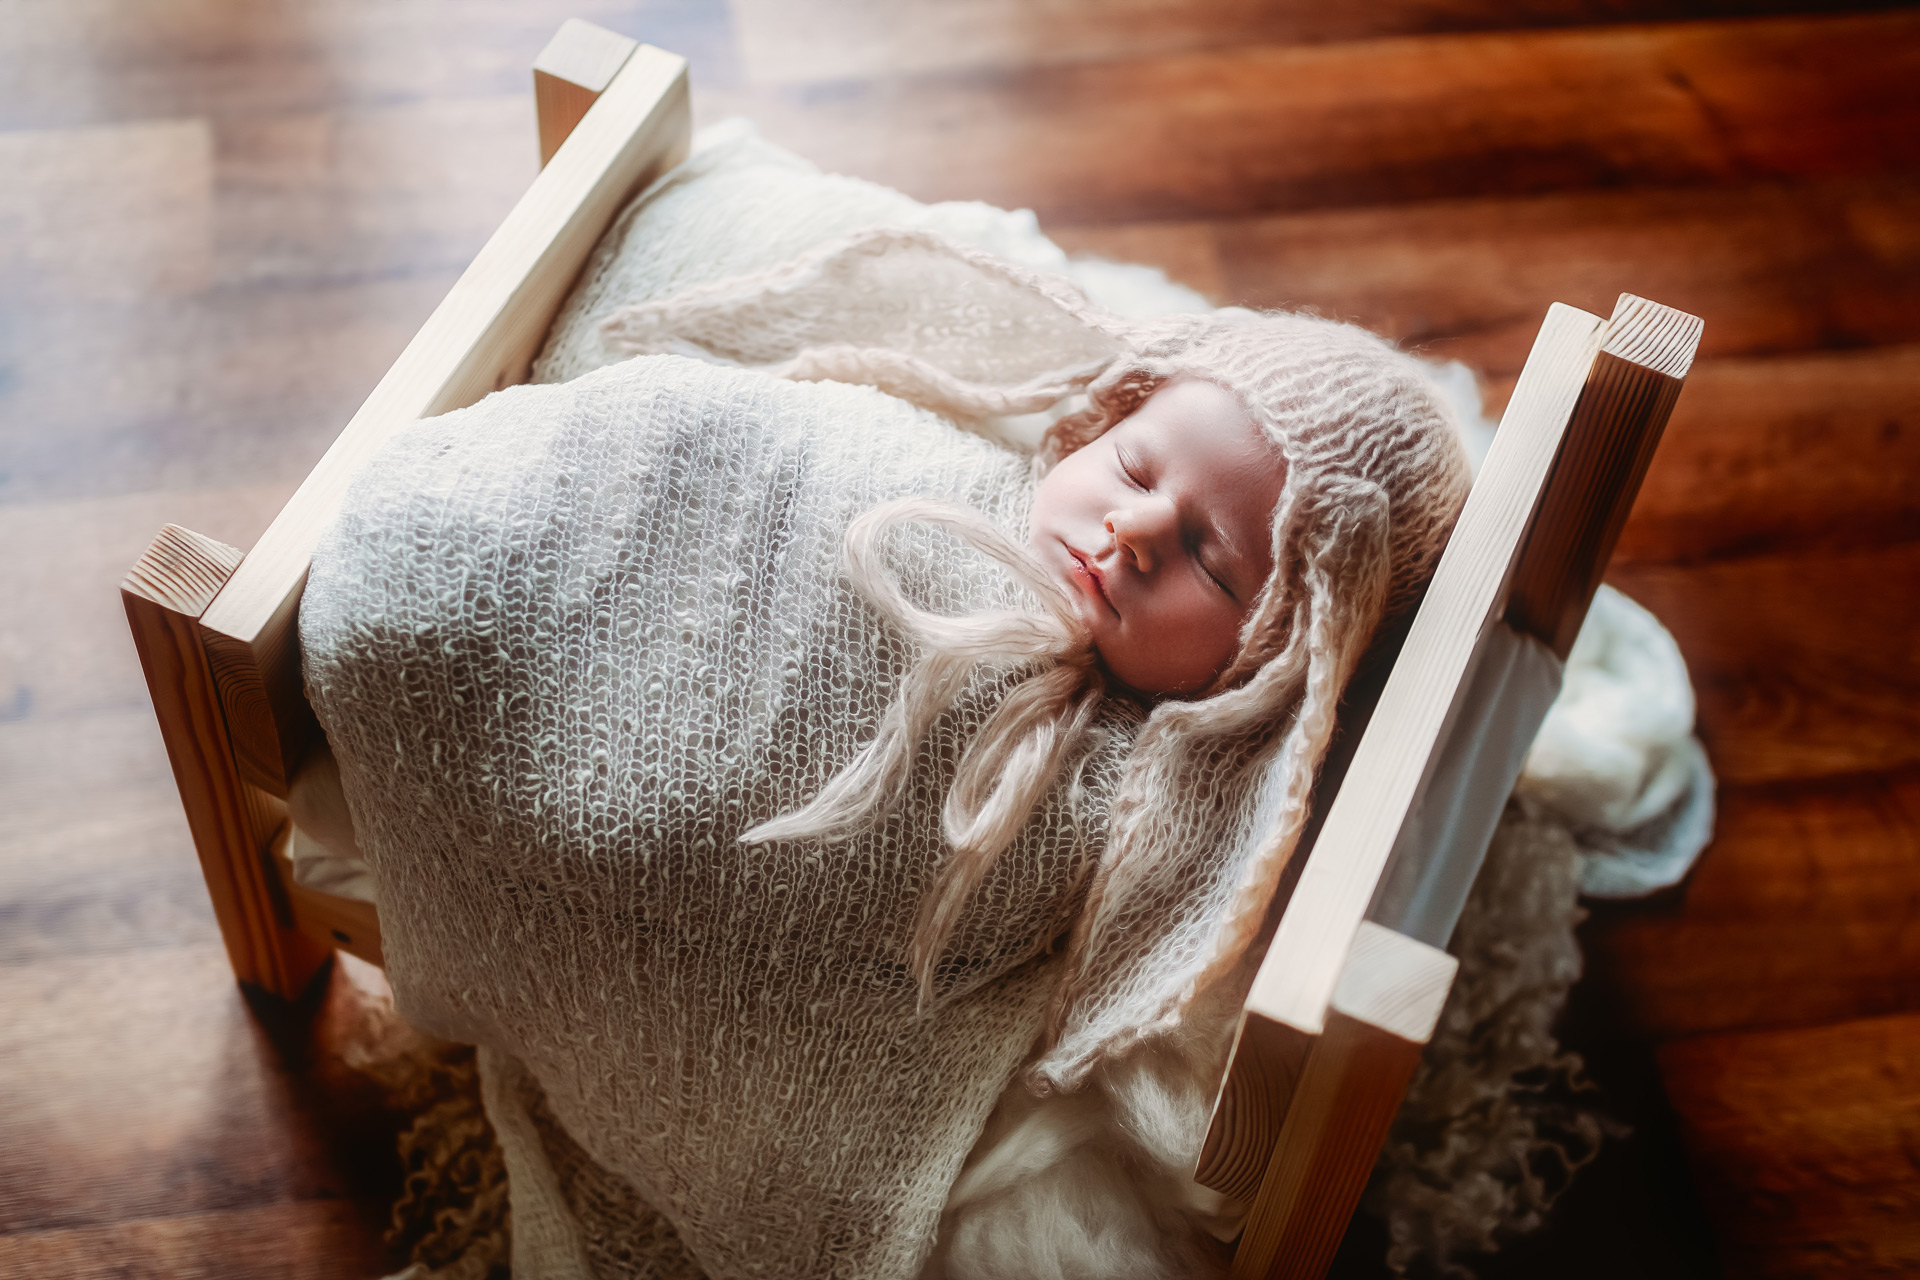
(1384,1011)
(233,822)
(570,75)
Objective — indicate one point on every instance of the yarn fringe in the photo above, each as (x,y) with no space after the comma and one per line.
(450,1220)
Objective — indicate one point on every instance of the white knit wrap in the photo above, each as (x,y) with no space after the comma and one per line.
(568,644)
(571,642)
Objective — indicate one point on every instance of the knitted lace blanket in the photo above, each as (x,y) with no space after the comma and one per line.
(567,644)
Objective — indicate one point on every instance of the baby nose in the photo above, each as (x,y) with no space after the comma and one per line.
(1140,528)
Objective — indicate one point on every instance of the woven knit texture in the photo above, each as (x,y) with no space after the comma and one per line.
(1217,793)
(570,643)
(567,645)
(739,205)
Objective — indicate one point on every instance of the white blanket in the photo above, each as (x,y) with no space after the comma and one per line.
(1616,770)
(567,645)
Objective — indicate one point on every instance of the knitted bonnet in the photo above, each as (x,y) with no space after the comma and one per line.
(1217,788)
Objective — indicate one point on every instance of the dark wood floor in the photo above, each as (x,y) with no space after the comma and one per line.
(220,220)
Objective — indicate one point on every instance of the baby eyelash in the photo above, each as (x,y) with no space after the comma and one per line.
(1218,581)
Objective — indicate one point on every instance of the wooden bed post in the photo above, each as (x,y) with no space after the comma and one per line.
(1337,1113)
(218,631)
(570,75)
(1354,982)
(233,822)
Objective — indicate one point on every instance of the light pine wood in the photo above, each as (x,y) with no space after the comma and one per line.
(1529,549)
(1622,412)
(1251,1108)
(232,822)
(481,338)
(570,75)
(1531,523)
(1296,981)
(1384,1010)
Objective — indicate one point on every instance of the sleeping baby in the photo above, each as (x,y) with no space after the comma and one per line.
(785,783)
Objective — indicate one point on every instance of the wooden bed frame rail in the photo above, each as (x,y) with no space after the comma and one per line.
(1344,1004)
(218,632)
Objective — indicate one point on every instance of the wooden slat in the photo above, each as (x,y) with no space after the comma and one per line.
(165,592)
(1383,1012)
(1528,548)
(872,39)
(1373,790)
(1803,1146)
(1800,912)
(1297,979)
(481,338)
(1805,664)
(1792,453)
(1251,1108)
(1635,381)
(1261,128)
(1772,267)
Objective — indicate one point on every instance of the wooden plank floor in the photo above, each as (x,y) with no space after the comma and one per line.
(221,219)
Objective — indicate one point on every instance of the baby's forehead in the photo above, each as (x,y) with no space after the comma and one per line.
(1196,417)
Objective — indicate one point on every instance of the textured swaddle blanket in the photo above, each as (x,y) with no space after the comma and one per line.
(504,555)
(567,645)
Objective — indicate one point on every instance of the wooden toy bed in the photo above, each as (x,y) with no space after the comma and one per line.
(1355,977)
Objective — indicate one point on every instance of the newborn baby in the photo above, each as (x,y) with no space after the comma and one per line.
(733,750)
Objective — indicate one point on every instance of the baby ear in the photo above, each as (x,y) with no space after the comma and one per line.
(941,324)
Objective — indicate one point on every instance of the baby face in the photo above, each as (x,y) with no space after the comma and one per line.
(1161,531)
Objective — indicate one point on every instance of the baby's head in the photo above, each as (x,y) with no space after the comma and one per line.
(1232,445)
